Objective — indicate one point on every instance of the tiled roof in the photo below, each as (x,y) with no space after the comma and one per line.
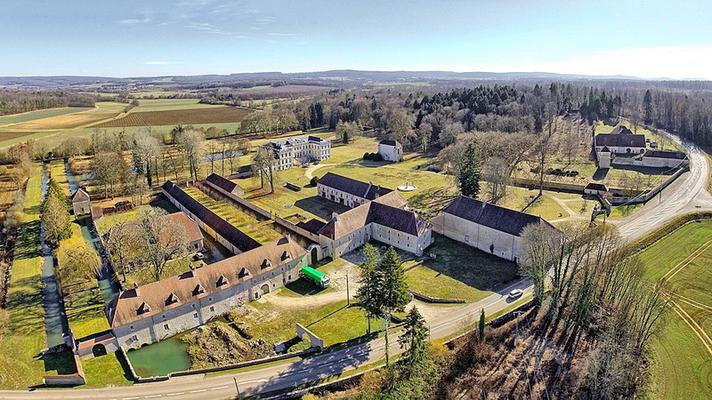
(387,211)
(621,130)
(80,195)
(596,186)
(221,182)
(313,225)
(192,230)
(490,215)
(353,186)
(154,298)
(233,235)
(619,140)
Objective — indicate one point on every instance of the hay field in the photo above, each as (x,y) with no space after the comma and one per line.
(39,114)
(101,112)
(203,115)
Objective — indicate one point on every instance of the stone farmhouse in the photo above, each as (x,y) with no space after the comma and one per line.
(390,150)
(377,213)
(300,149)
(81,203)
(153,312)
(624,148)
(493,229)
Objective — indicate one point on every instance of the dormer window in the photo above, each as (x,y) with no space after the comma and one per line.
(143,308)
(198,290)
(222,281)
(285,256)
(172,299)
(243,273)
(265,263)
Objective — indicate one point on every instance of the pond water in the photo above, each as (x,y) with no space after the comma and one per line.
(160,358)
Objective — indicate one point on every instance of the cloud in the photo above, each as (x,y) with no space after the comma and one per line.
(206,27)
(134,21)
(161,62)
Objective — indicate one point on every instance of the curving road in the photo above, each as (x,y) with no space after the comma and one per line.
(688,193)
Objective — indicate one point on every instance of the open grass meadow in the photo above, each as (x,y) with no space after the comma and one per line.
(458,272)
(39,114)
(24,336)
(681,365)
(102,111)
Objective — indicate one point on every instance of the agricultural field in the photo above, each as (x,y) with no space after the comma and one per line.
(170,104)
(101,112)
(681,353)
(202,115)
(39,114)
(458,272)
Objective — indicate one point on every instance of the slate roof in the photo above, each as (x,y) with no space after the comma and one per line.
(492,216)
(221,182)
(154,298)
(677,155)
(618,140)
(621,130)
(596,186)
(386,211)
(313,225)
(233,235)
(353,186)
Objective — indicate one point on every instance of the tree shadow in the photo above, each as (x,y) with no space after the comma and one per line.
(320,207)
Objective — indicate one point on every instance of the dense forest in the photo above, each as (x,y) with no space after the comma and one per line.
(16,101)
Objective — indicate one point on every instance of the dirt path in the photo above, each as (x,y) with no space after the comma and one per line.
(309,173)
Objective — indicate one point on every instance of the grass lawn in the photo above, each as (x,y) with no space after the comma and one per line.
(108,370)
(335,322)
(25,335)
(146,275)
(459,272)
(681,366)
(261,231)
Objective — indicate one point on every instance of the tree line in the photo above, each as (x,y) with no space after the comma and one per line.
(19,101)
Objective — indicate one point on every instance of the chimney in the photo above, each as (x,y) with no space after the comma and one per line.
(334,216)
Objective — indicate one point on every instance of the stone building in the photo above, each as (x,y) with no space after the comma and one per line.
(390,150)
(347,191)
(225,184)
(193,235)
(493,229)
(299,149)
(81,203)
(156,311)
(620,141)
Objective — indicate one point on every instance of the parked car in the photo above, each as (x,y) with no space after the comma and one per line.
(515,294)
(198,256)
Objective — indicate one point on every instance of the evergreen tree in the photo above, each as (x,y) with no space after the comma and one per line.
(481,330)
(470,172)
(414,338)
(369,292)
(394,290)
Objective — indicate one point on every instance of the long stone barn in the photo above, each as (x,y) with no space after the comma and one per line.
(493,229)
(159,310)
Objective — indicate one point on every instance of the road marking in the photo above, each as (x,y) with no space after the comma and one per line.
(153,396)
(176,394)
(199,391)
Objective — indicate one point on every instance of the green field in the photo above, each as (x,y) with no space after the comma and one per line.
(681,364)
(25,335)
(458,272)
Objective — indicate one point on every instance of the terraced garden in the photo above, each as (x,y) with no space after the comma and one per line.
(261,231)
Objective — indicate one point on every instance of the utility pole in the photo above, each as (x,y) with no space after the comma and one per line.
(236,387)
(348,294)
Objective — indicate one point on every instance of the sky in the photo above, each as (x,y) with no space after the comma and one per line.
(648,39)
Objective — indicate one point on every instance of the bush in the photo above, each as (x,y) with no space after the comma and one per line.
(372,157)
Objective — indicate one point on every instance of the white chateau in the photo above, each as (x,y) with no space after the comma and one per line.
(299,149)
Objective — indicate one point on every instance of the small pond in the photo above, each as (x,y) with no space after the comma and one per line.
(159,359)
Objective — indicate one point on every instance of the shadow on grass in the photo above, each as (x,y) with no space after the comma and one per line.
(320,207)
(304,288)
(600,174)
(61,363)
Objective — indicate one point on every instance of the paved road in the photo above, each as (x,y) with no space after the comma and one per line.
(686,194)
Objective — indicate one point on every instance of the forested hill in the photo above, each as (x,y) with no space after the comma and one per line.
(15,101)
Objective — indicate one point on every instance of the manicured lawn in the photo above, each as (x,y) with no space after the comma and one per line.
(25,336)
(459,272)
(681,366)
(108,370)
(261,231)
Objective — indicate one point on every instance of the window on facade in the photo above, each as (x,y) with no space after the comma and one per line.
(195,315)
(165,327)
(467,238)
(212,309)
(134,338)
